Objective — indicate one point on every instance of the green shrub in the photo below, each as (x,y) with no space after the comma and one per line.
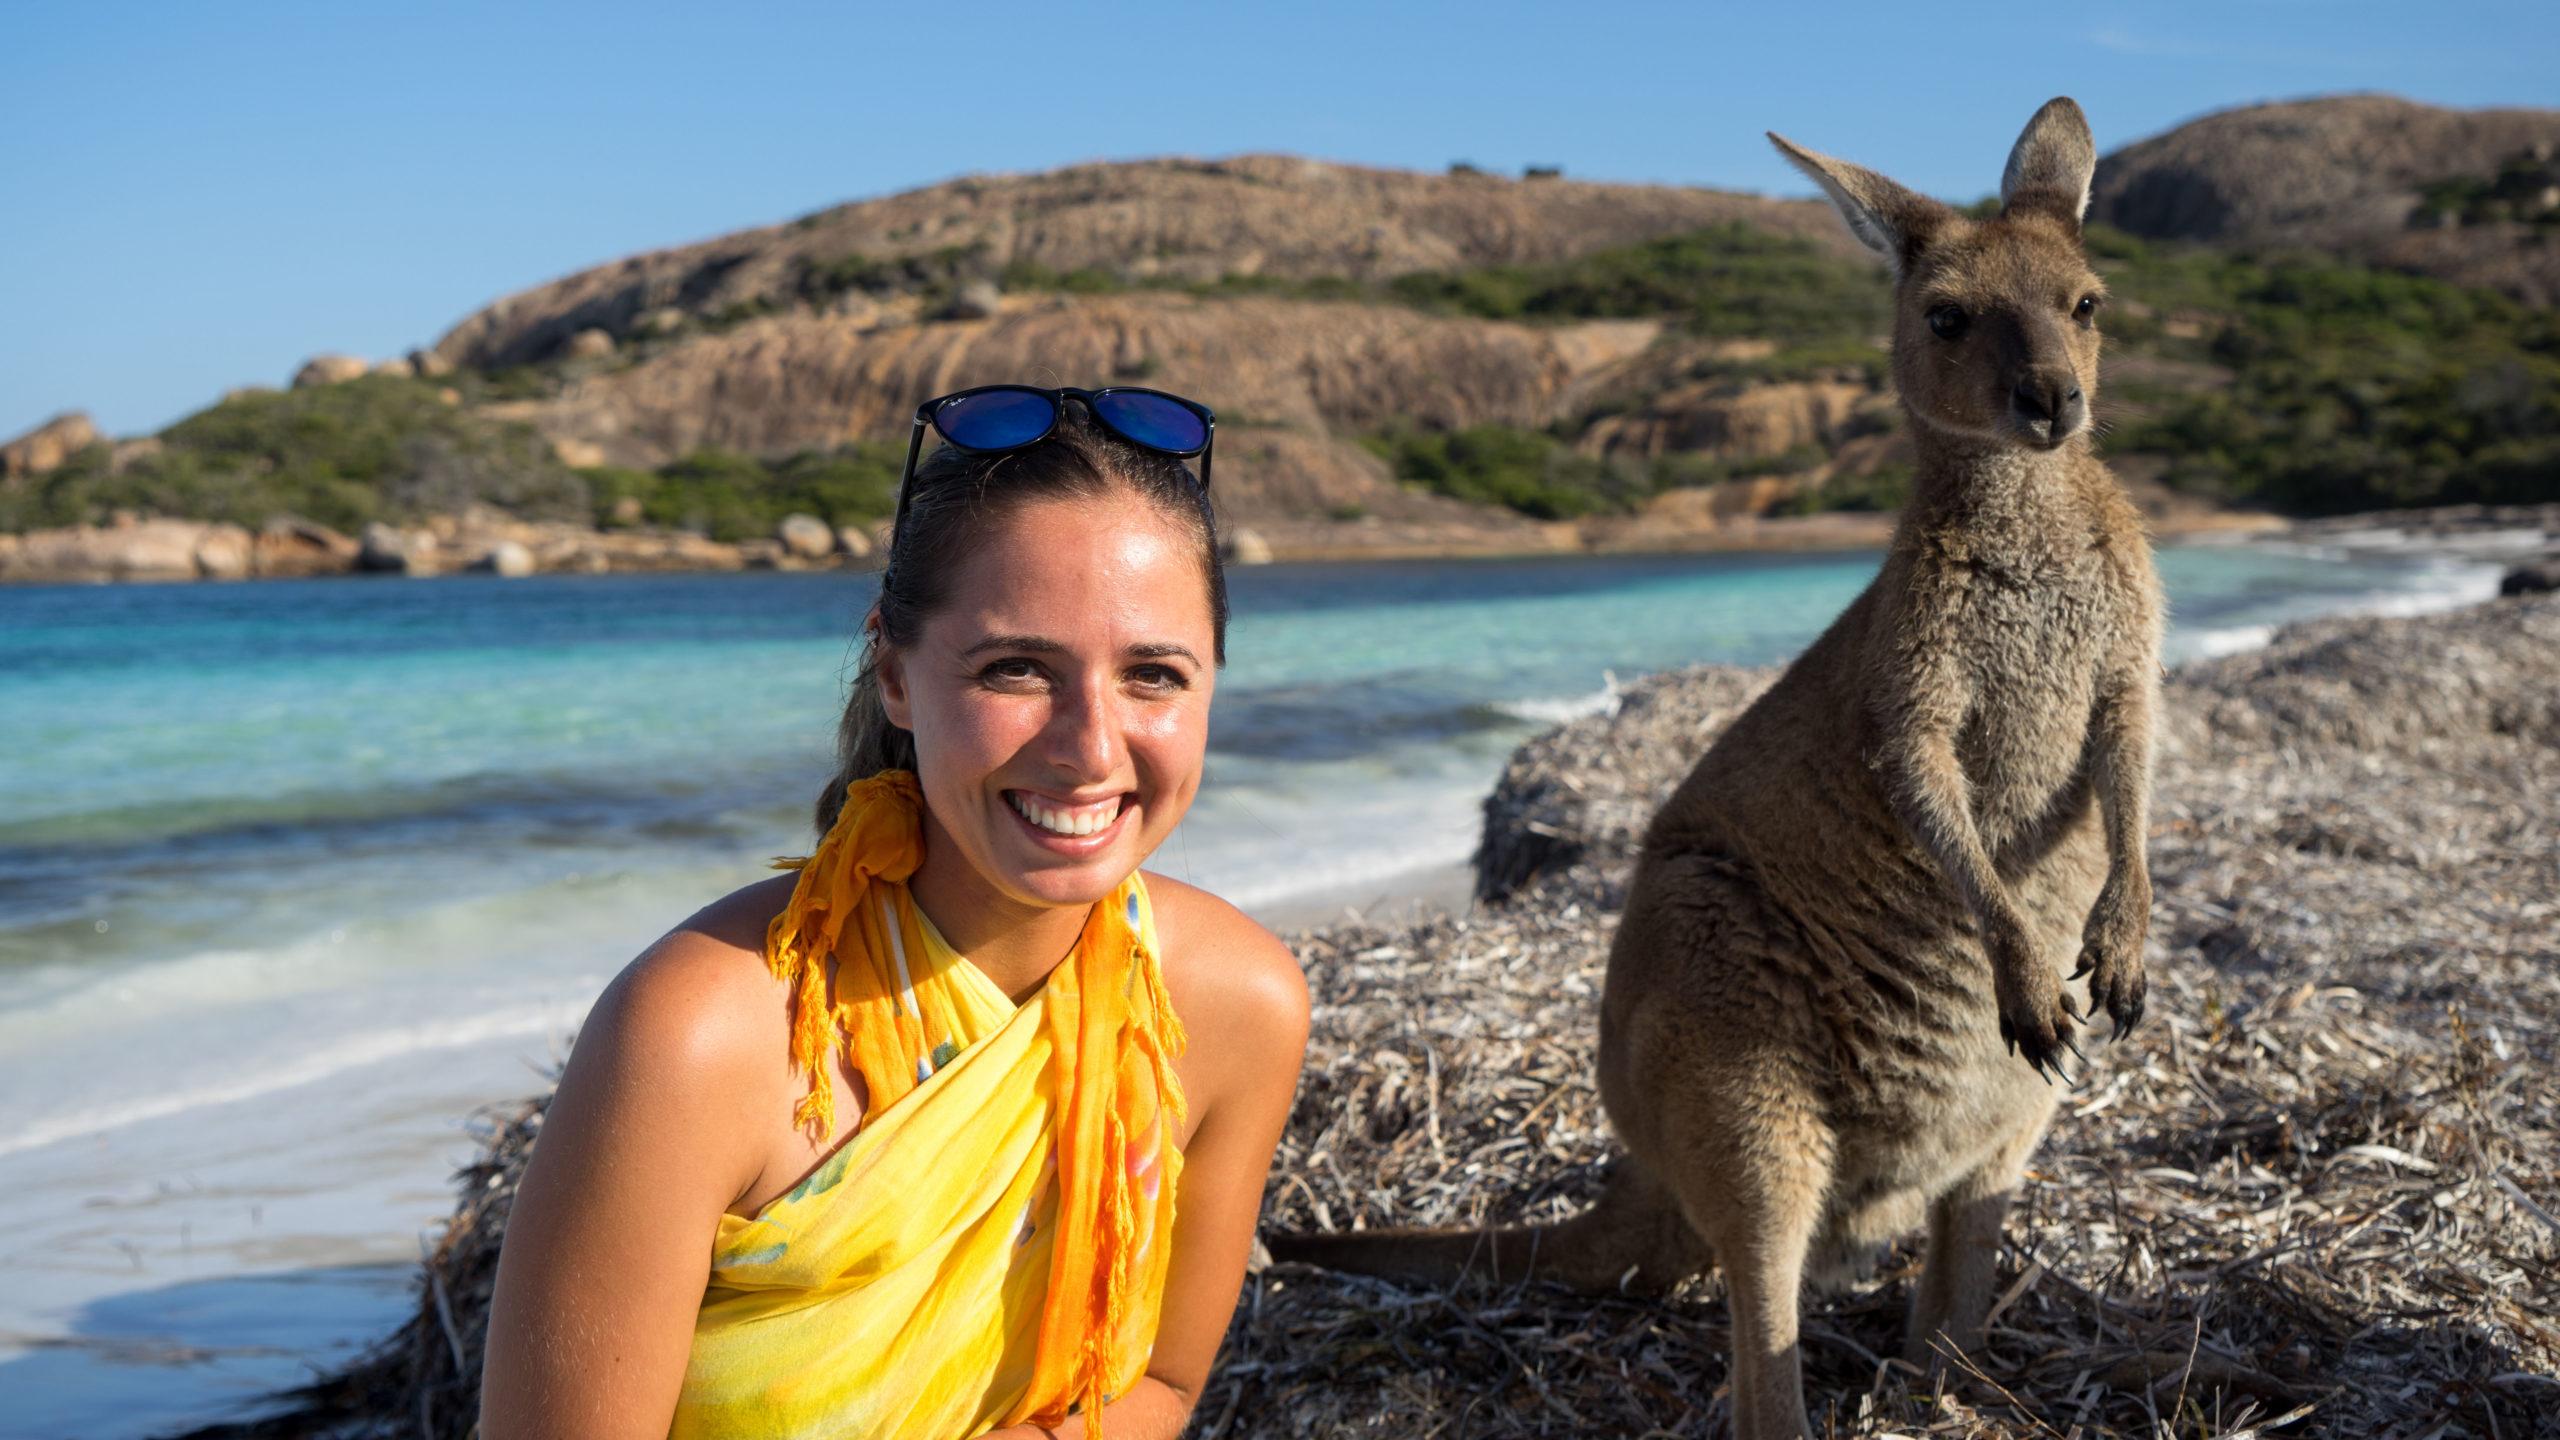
(729,496)
(1729,280)
(373,448)
(1885,488)
(2349,388)
(1528,471)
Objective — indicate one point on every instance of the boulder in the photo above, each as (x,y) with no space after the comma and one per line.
(330,370)
(578,454)
(627,510)
(291,545)
(383,550)
(853,542)
(225,552)
(588,344)
(505,558)
(805,537)
(2534,577)
(761,554)
(397,367)
(429,364)
(129,453)
(659,323)
(50,445)
(977,300)
(1246,546)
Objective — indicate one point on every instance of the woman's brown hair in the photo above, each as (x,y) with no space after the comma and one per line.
(953,501)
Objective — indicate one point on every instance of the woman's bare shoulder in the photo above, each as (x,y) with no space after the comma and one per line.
(699,1005)
(1230,978)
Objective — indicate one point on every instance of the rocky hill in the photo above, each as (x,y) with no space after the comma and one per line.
(2372,176)
(1408,363)
(1273,217)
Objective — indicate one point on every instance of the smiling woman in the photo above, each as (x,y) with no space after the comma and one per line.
(1064,1078)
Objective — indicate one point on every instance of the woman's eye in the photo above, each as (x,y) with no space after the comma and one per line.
(1010,672)
(1158,677)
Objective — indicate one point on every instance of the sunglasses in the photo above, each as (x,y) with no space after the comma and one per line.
(992,419)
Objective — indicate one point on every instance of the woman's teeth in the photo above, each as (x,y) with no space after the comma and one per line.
(1082,820)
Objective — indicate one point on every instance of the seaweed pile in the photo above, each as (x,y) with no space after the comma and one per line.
(2313,1194)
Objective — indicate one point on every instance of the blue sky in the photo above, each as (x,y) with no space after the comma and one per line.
(199,196)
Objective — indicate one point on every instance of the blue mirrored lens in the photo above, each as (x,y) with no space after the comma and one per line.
(1154,421)
(996,420)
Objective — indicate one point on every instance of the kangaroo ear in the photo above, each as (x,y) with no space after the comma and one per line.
(2051,164)
(1892,221)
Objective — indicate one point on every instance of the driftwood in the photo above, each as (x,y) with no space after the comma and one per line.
(2317,1193)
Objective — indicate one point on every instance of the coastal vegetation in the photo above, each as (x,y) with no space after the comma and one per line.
(2314,386)
(728,496)
(380,447)
(2295,381)
(397,449)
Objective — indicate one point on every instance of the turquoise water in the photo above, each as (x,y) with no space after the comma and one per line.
(293,874)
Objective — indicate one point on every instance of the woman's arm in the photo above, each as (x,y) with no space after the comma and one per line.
(1241,996)
(653,1133)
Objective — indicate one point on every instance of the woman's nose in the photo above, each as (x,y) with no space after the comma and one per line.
(1083,733)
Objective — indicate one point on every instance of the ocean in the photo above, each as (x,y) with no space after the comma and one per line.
(295,877)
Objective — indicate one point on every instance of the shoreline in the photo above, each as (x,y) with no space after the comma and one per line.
(156,550)
(146,550)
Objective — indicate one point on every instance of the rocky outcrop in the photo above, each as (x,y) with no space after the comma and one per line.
(1739,419)
(1182,220)
(1303,370)
(138,548)
(131,548)
(2341,174)
(288,545)
(330,370)
(2537,576)
(48,446)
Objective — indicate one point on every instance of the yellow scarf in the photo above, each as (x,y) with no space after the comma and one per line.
(990,1247)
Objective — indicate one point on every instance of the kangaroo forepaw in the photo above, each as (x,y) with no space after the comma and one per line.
(2117,982)
(2039,1030)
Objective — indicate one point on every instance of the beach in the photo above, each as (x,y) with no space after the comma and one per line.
(295,879)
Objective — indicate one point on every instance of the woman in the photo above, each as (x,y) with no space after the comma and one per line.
(811,1171)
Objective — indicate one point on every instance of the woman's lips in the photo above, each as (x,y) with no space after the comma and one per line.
(1068,828)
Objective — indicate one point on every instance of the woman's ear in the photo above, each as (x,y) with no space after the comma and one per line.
(888,669)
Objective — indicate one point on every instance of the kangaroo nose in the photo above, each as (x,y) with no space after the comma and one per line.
(2051,401)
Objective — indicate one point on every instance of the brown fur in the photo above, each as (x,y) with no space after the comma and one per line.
(1837,998)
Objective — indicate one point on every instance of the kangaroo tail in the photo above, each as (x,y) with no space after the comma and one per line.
(1634,1238)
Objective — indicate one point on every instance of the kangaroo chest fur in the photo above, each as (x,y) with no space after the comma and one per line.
(2030,631)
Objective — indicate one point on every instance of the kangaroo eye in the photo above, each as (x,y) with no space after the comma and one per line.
(2086,310)
(1948,322)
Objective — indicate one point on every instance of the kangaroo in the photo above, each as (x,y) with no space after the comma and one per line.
(1836,1001)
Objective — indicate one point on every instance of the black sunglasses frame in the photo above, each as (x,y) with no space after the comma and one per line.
(1057,406)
